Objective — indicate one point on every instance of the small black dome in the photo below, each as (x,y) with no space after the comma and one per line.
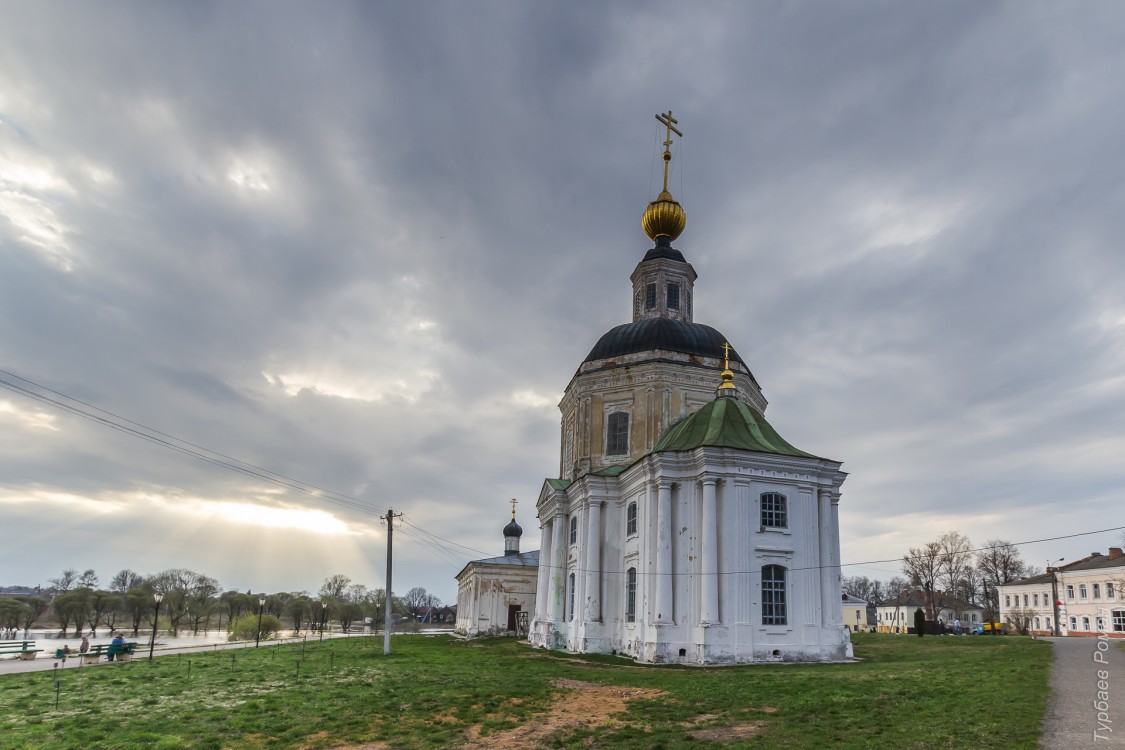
(661,333)
(513,529)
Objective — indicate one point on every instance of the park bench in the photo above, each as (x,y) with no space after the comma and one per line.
(121,652)
(24,649)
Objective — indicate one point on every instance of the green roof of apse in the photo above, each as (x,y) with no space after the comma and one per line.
(727,423)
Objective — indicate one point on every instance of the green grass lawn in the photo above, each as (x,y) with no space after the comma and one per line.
(433,692)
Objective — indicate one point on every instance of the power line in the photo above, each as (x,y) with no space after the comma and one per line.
(195,450)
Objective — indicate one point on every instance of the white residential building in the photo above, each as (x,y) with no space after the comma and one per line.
(1091,596)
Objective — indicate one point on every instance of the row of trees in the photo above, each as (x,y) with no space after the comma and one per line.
(951,565)
(192,601)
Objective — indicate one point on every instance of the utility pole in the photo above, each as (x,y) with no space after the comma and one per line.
(390,519)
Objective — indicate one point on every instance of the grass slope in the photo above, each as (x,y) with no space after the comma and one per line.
(906,692)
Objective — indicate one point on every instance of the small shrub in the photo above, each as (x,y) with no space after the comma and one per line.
(245,628)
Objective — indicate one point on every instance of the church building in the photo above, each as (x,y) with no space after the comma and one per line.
(496,596)
(682,527)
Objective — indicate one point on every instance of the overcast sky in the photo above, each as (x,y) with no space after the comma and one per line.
(367,245)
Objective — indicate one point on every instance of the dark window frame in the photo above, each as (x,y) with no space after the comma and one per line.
(775,510)
(631,519)
(773,595)
(617,434)
(574,529)
(650,295)
(673,299)
(631,595)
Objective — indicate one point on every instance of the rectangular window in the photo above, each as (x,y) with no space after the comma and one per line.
(631,519)
(1025,601)
(631,595)
(673,296)
(1007,601)
(773,595)
(1119,621)
(1070,592)
(773,511)
(1073,623)
(1035,599)
(1097,591)
(1081,591)
(617,434)
(574,529)
(1086,623)
(570,598)
(1109,591)
(650,296)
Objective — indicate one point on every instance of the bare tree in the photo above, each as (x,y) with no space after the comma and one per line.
(357,592)
(335,586)
(861,587)
(998,563)
(88,579)
(923,564)
(956,558)
(176,585)
(125,580)
(66,581)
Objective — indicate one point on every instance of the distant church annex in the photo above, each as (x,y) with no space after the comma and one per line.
(682,527)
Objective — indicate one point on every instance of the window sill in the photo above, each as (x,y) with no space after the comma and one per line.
(774,530)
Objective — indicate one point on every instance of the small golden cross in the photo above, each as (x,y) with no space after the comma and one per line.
(726,355)
(514,501)
(669,123)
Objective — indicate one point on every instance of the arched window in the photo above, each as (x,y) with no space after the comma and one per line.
(773,595)
(570,598)
(631,519)
(617,434)
(774,514)
(631,595)
(1036,626)
(574,529)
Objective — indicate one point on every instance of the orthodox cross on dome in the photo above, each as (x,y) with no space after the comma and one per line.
(669,123)
(726,375)
(514,501)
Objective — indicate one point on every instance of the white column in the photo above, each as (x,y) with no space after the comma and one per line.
(558,568)
(709,599)
(829,577)
(594,563)
(664,554)
(542,595)
(836,613)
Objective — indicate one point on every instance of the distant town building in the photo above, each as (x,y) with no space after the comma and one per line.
(854,612)
(1089,593)
(897,615)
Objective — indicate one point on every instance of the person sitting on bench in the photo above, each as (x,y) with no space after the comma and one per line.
(115,646)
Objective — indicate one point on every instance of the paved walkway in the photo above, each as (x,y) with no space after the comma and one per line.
(46,662)
(1075,719)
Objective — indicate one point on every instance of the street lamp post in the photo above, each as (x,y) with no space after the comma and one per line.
(261,607)
(323,618)
(155,616)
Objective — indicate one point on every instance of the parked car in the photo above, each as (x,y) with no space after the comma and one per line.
(986,628)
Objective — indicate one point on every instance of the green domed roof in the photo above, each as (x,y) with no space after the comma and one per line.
(726,423)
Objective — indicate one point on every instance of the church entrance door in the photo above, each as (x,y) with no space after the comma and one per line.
(513,609)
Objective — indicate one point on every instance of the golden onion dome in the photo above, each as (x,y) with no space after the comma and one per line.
(664,217)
